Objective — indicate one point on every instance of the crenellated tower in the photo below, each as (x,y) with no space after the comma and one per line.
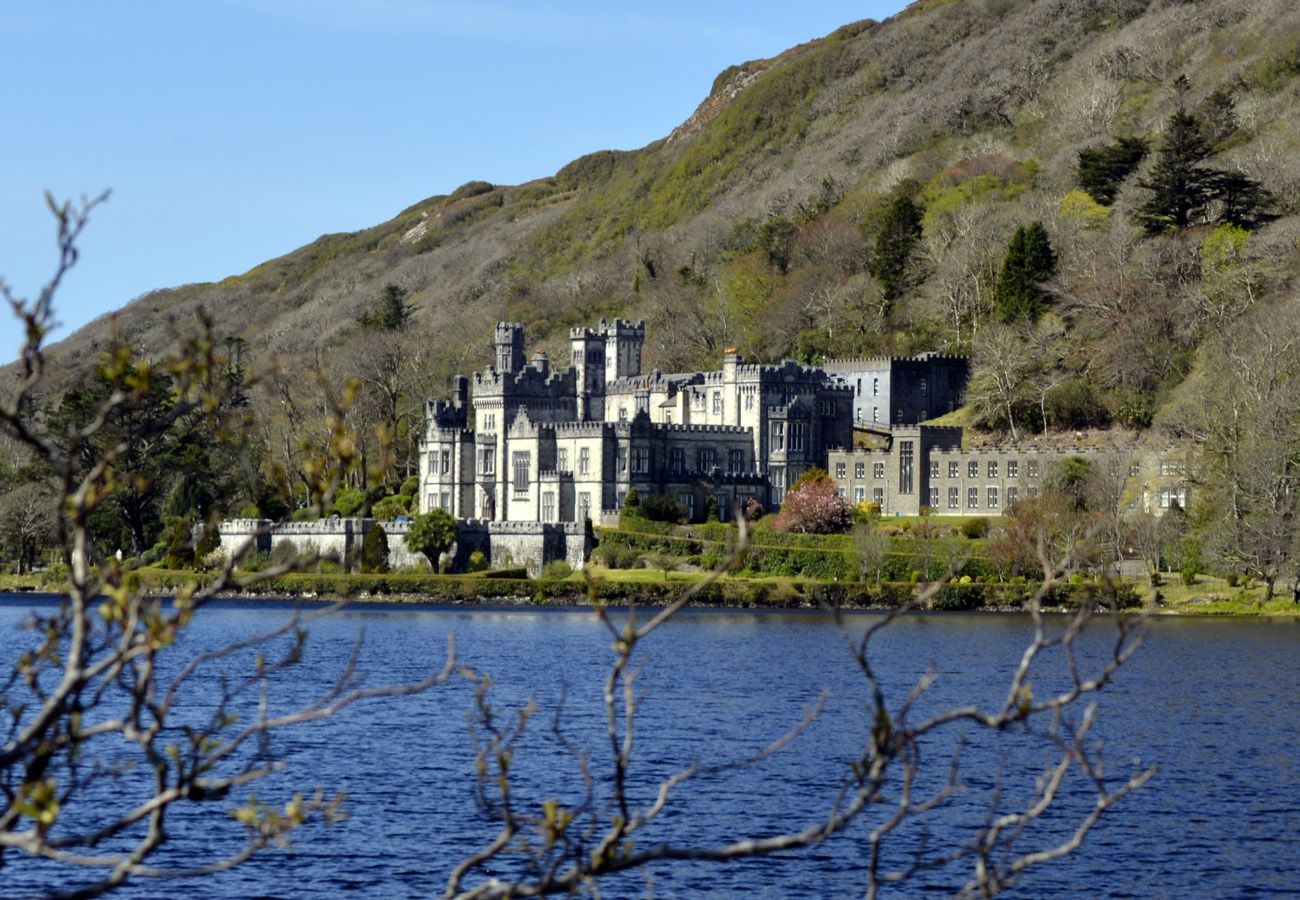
(510,347)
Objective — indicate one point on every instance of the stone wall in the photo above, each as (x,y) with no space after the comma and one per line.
(530,544)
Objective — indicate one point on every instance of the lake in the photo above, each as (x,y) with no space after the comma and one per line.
(1211,701)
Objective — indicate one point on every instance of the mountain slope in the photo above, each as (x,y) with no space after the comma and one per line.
(754,223)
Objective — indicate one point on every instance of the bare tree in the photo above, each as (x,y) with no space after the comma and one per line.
(90,720)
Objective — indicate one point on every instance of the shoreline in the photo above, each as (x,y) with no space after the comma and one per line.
(576,602)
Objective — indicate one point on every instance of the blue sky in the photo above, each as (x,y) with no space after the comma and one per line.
(232,131)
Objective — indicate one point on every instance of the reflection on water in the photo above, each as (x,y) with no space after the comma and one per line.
(1212,701)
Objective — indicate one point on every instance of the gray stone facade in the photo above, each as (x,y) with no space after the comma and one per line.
(893,391)
(528,544)
(925,467)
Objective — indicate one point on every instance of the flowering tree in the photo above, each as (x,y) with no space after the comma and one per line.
(814,506)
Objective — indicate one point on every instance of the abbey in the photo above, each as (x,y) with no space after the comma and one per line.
(567,446)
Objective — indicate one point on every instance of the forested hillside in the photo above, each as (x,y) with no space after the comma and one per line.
(1097,199)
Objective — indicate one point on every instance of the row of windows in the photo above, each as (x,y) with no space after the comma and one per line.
(954,469)
(705,459)
(797,434)
(991,496)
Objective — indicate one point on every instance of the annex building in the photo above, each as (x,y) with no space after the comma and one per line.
(533,444)
(925,467)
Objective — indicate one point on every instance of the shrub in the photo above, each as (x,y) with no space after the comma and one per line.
(391,507)
(558,569)
(348,501)
(658,508)
(477,561)
(975,528)
(1231,578)
(374,550)
(410,485)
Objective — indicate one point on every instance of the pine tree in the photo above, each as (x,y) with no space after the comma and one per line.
(391,313)
(1182,186)
(1029,262)
(894,243)
(1102,170)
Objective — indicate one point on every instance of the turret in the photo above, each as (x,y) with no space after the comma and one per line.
(623,341)
(510,347)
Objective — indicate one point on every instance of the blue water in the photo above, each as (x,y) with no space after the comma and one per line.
(1212,702)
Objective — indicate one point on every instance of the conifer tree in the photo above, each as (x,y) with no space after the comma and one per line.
(374,550)
(1182,186)
(1029,262)
(894,243)
(1103,169)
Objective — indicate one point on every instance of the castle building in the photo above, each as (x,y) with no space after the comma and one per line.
(889,392)
(536,445)
(925,467)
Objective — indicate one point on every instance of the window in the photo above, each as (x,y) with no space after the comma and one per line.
(934,498)
(640,460)
(1013,494)
(973,497)
(749,400)
(878,470)
(487,461)
(620,460)
(677,460)
(584,460)
(562,461)
(839,470)
(859,494)
(622,413)
(520,462)
(826,408)
(875,413)
(857,414)
(843,492)
(993,468)
(1032,491)
(717,403)
(954,498)
(445,461)
(668,417)
(878,496)
(925,387)
(777,474)
(1013,469)
(905,467)
(953,469)
(778,436)
(548,506)
(584,506)
(707,458)
(898,414)
(798,435)
(860,470)
(1171,497)
(934,468)
(489,421)
(993,498)
(1170,468)
(972,469)
(1135,469)
(688,501)
(444,500)
(875,387)
(736,462)
(1031,468)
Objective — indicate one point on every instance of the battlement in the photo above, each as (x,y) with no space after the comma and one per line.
(704,429)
